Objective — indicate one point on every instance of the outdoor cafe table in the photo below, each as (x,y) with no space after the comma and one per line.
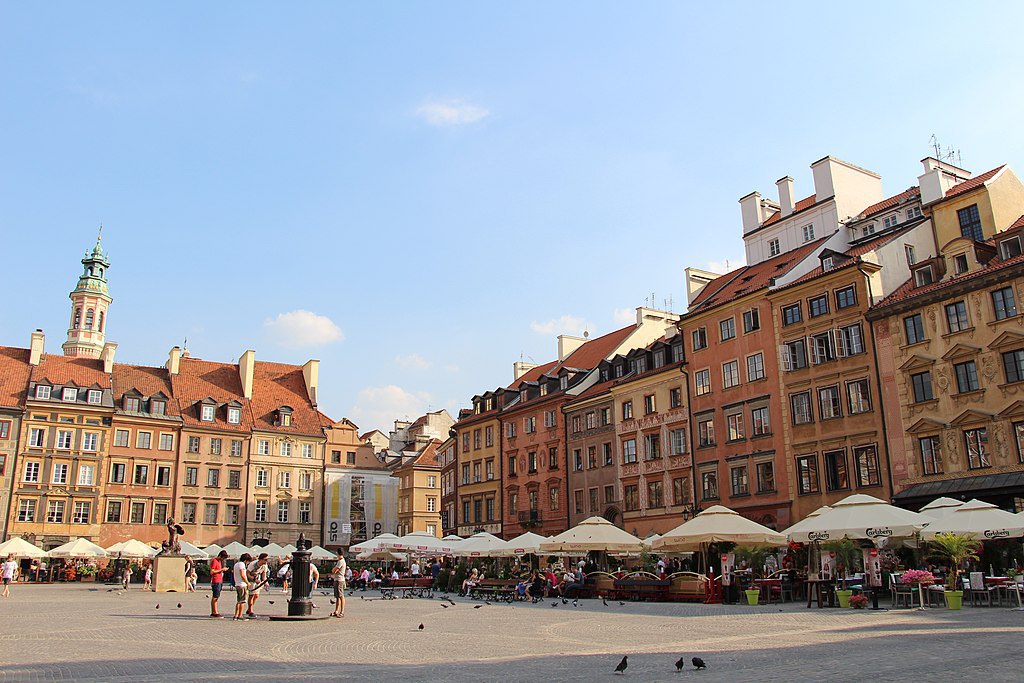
(997,580)
(822,588)
(766,586)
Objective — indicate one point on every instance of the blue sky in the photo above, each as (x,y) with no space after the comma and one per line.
(419,194)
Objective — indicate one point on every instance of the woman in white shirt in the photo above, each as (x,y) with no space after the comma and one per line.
(8,572)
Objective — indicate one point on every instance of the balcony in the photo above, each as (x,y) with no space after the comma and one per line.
(530,519)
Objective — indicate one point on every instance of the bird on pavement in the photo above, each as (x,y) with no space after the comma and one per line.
(554,604)
(179,605)
(699,663)
(604,602)
(421,627)
(157,606)
(621,604)
(564,601)
(451,601)
(575,603)
(478,606)
(270,602)
(622,666)
(445,606)
(680,663)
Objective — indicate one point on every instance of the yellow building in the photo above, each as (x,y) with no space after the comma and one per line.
(419,492)
(14,374)
(477,469)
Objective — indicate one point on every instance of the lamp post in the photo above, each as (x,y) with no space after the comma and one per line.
(300,606)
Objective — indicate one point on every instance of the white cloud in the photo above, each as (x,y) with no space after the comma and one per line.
(413,361)
(301,328)
(624,316)
(379,407)
(726,266)
(567,324)
(451,112)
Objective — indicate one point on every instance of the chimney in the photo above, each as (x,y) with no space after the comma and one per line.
(311,374)
(246,371)
(107,356)
(174,361)
(520,368)
(786,200)
(750,210)
(567,344)
(938,178)
(36,352)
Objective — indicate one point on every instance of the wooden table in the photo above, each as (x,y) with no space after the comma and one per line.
(766,586)
(819,586)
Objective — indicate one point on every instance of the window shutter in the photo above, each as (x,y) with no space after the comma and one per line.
(784,355)
(842,343)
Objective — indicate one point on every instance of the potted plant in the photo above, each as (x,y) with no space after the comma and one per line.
(859,601)
(919,578)
(755,559)
(957,549)
(847,555)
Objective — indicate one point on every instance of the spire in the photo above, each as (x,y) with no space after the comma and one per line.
(89,302)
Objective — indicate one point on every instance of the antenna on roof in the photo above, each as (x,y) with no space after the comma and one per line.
(951,155)
(668,303)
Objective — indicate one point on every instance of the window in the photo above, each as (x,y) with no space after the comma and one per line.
(81,512)
(215,445)
(166,442)
(773,247)
(121,438)
(86,475)
(530,424)
(609,459)
(60,473)
(31,472)
(263,447)
(132,404)
(42,391)
(54,512)
(889,221)
(511,467)
(489,470)
(709,485)
(553,498)
(751,321)
(531,464)
(730,374)
(282,511)
(652,446)
(465,441)
(794,355)
(677,441)
(738,480)
(207,412)
(680,491)
(193,444)
(808,232)
(117,473)
(431,504)
(727,328)
(846,297)
(90,442)
(922,384)
(157,407)
(655,499)
(836,476)
(858,397)
(823,347)
(94,396)
(734,426)
(639,365)
(234,415)
(27,510)
(213,478)
(677,351)
(114,511)
(284,480)
(510,430)
(960,265)
(956,317)
(141,474)
(923,276)
(306,511)
(163,476)
(649,405)
(236,448)
(234,479)
(807,471)
(577,499)
(705,432)
(702,382)
(210,513)
(63,439)
(629,451)
(143,439)
(970,223)
(69,394)
(966,376)
(1004,303)
(286,449)
(137,513)
(591,457)
(659,358)
(1018,435)
(851,340)
(675,397)
(817,306)
(765,477)
(700,338)
(759,419)
(977,448)
(489,431)
(791,314)
(755,367)
(631,497)
(36,437)
(1013,365)
(191,476)
(159,513)
(627,410)
(829,404)
(261,511)
(866,458)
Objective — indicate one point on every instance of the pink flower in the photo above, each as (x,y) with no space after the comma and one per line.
(912,577)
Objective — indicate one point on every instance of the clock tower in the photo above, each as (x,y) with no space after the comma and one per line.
(89,302)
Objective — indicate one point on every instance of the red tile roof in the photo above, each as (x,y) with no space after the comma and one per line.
(198,379)
(907,290)
(853,252)
(533,374)
(84,372)
(148,381)
(14,376)
(1019,223)
(596,350)
(805,203)
(973,183)
(892,201)
(275,385)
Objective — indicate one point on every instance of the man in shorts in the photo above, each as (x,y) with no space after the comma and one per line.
(258,573)
(217,581)
(241,585)
(340,584)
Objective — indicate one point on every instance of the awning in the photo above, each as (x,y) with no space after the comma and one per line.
(992,483)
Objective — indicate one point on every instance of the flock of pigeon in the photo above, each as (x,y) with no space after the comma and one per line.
(697,662)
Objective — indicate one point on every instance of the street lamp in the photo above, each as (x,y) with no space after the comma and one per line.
(691,511)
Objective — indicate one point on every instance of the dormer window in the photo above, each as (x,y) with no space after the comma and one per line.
(132,404)
(913,212)
(69,394)
(618,369)
(207,412)
(1009,248)
(827,263)
(95,396)
(960,264)
(234,415)
(869,229)
(157,407)
(923,276)
(488,404)
(890,221)
(544,389)
(42,391)
(640,364)
(659,358)
(522,395)
(604,374)
(563,382)
(284,416)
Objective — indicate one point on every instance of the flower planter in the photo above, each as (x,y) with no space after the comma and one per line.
(843,597)
(954,599)
(752,596)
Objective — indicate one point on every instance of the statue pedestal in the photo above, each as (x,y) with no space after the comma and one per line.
(169,573)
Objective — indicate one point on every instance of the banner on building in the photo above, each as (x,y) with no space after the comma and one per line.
(359,507)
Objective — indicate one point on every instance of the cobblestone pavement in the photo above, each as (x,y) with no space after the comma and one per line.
(84,633)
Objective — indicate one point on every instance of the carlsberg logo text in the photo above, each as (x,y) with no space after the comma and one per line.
(999,533)
(817,536)
(876,533)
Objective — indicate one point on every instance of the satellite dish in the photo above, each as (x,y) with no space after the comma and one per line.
(586,334)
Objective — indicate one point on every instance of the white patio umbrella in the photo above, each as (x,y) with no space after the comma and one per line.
(378,542)
(523,544)
(19,547)
(213,550)
(78,548)
(593,533)
(940,507)
(717,524)
(452,538)
(320,554)
(131,548)
(380,556)
(861,517)
(804,522)
(649,541)
(421,543)
(271,549)
(481,544)
(189,550)
(287,550)
(235,549)
(980,520)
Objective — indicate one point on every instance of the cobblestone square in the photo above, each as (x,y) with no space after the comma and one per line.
(85,633)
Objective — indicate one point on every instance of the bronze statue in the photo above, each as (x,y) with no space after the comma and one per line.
(171,546)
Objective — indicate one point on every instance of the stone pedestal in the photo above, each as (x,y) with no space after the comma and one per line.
(169,573)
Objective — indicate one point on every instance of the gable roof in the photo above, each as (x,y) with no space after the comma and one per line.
(972,183)
(596,350)
(908,289)
(533,374)
(14,376)
(805,203)
(278,384)
(891,202)
(83,372)
(199,379)
(146,380)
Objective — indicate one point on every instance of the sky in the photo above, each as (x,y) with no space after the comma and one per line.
(419,194)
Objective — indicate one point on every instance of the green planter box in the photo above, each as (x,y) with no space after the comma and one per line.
(954,599)
(844,598)
(752,596)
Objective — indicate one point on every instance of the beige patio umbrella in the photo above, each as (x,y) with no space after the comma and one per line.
(375,543)
(213,550)
(19,547)
(271,549)
(318,554)
(717,524)
(649,541)
(980,520)
(235,549)
(804,522)
(860,517)
(131,548)
(420,543)
(380,556)
(482,544)
(79,548)
(523,544)
(189,550)
(593,533)
(940,507)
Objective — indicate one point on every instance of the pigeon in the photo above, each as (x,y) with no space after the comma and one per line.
(445,606)
(680,663)
(157,606)
(487,602)
(554,604)
(621,604)
(451,601)
(622,666)
(179,605)
(478,606)
(575,603)
(332,601)
(421,627)
(699,663)
(110,590)
(604,602)
(564,601)
(270,602)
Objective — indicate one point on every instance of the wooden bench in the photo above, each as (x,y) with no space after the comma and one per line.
(498,589)
(641,586)
(687,586)
(423,587)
